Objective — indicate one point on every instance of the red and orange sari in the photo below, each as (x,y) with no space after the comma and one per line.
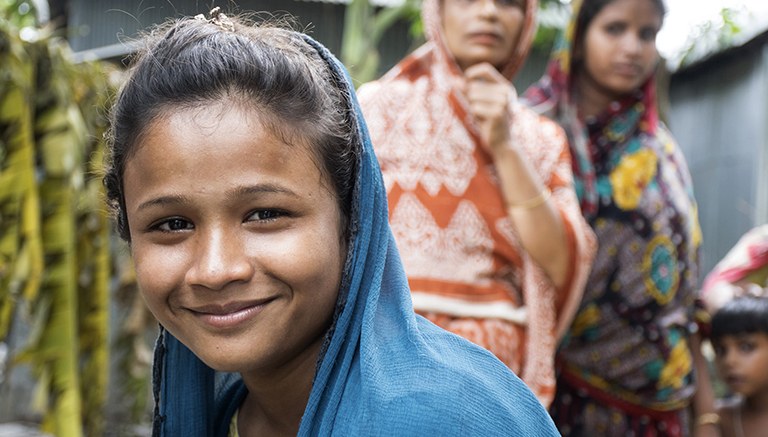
(466,267)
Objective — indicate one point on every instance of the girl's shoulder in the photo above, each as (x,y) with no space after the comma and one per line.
(453,387)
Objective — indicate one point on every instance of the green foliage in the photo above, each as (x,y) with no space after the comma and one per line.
(553,16)
(54,250)
(19,12)
(364,26)
(712,36)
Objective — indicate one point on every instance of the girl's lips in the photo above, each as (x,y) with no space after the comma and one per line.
(229,315)
(628,69)
(734,380)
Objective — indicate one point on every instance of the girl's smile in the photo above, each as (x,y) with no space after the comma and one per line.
(230,315)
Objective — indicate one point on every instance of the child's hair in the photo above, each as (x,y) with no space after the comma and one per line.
(743,314)
(590,9)
(192,62)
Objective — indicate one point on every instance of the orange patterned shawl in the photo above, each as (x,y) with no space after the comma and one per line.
(467,270)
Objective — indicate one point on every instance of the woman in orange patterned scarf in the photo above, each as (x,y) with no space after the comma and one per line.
(480,188)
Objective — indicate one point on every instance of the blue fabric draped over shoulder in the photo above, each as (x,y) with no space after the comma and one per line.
(383,370)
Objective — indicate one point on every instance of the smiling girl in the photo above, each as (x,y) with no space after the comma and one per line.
(242,176)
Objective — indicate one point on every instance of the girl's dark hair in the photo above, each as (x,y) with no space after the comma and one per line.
(744,314)
(191,62)
(590,9)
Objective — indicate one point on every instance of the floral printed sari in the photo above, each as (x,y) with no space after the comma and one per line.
(625,364)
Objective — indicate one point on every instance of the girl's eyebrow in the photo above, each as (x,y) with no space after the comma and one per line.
(174,199)
(246,190)
(258,189)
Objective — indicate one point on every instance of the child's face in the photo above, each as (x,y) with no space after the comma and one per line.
(619,46)
(742,361)
(235,239)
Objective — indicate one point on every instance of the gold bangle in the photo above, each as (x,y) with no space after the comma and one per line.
(533,202)
(708,419)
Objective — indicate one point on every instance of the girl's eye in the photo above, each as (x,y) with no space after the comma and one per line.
(722,349)
(746,346)
(173,225)
(615,28)
(648,34)
(263,215)
(500,3)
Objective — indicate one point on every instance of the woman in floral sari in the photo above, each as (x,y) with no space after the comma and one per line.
(480,187)
(626,365)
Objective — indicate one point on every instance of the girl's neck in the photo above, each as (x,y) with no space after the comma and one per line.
(757,403)
(591,98)
(278,416)
(276,401)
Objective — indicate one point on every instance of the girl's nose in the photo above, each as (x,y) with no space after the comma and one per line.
(221,259)
(632,43)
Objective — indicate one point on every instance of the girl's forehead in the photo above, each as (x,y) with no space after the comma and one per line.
(206,115)
(209,151)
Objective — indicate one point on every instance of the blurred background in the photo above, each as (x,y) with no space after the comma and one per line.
(75,337)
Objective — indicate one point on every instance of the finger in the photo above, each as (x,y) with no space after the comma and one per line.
(483,111)
(487,90)
(498,96)
(484,72)
(497,102)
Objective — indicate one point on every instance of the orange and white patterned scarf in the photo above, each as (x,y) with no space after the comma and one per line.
(466,267)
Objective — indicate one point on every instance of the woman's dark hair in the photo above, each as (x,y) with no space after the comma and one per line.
(191,62)
(590,9)
(743,314)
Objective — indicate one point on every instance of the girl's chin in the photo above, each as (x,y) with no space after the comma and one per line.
(220,364)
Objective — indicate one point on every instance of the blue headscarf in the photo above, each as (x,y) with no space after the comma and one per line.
(383,370)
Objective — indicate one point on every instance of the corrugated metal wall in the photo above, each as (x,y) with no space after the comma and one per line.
(105,28)
(102,23)
(719,115)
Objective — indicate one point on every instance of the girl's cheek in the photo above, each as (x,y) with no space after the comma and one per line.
(156,268)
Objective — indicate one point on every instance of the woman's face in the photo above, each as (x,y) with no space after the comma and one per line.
(619,46)
(235,238)
(479,31)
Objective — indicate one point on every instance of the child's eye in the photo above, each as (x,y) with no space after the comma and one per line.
(173,225)
(746,346)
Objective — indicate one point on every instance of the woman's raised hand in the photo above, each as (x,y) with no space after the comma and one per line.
(490,96)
